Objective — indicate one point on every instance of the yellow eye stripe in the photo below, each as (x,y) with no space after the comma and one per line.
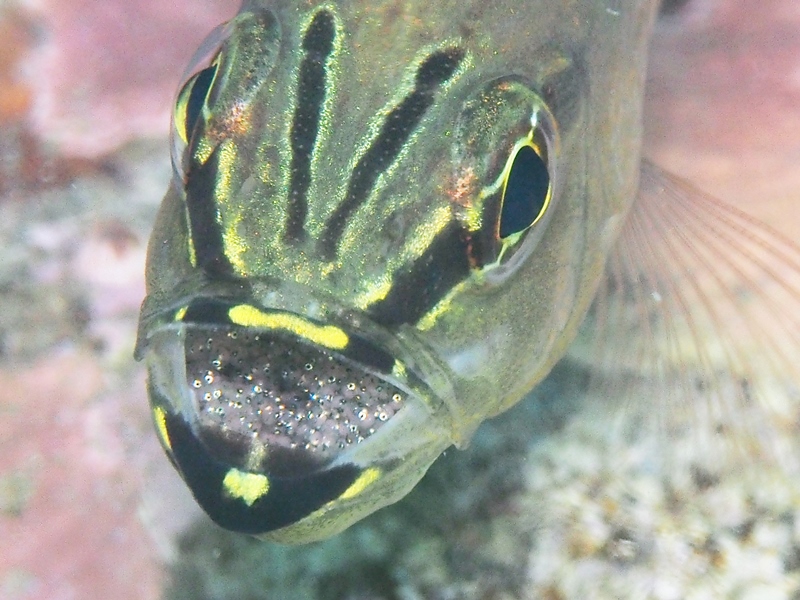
(160,418)
(328,336)
(179,116)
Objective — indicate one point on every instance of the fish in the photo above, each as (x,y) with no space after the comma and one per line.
(389,221)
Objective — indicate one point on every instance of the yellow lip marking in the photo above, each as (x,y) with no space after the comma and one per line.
(192,251)
(399,370)
(324,335)
(249,487)
(367,478)
(376,293)
(160,417)
(180,314)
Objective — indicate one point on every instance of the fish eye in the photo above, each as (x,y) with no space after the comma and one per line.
(507,143)
(193,94)
(526,191)
(222,79)
(197,79)
(518,202)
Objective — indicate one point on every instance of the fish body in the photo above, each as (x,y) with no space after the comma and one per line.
(387,222)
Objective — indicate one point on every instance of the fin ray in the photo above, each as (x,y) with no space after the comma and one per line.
(685,382)
(695,332)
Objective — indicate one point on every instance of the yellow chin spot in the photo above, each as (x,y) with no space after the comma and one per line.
(249,487)
(324,335)
(367,478)
(160,418)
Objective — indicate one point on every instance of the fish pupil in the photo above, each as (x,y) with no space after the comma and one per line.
(525,194)
(197,97)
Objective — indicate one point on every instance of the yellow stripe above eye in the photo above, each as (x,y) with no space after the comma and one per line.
(324,335)
(248,487)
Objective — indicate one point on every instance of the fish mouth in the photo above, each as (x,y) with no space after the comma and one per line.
(301,402)
(269,415)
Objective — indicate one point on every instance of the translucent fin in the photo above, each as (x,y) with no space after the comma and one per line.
(701,306)
(689,438)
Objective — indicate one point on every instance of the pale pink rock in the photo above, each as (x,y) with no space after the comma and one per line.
(723,103)
(106,72)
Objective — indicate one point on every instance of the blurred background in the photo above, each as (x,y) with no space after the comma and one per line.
(90,507)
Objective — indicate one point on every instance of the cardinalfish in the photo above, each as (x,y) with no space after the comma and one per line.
(388,222)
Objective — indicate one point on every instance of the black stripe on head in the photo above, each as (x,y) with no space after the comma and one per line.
(312,84)
(434,71)
(201,206)
(414,292)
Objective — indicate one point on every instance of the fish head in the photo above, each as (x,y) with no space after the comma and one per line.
(385,224)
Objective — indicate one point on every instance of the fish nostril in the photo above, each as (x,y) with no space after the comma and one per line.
(287,395)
